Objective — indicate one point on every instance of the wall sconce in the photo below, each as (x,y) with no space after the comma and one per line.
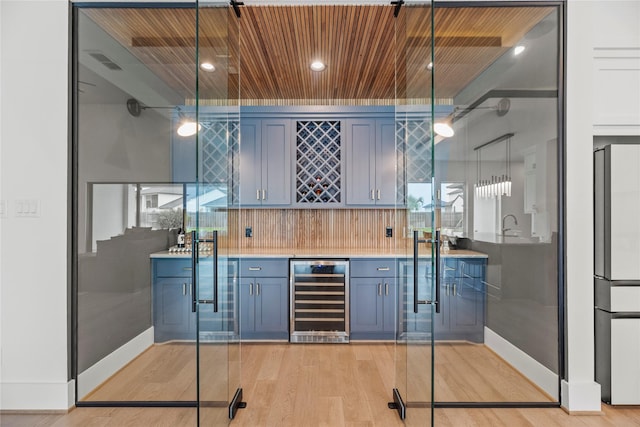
(496,185)
(189,128)
(443,129)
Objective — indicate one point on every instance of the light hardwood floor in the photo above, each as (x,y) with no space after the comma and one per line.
(328,385)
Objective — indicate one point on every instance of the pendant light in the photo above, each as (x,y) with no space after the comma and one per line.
(496,185)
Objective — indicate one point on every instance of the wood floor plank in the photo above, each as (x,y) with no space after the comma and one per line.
(328,385)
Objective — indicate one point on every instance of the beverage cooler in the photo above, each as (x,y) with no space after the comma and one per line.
(319,301)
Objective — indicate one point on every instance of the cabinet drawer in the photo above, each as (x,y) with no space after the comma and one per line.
(172,267)
(471,267)
(379,267)
(258,267)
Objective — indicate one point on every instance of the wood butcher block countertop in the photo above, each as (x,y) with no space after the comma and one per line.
(321,253)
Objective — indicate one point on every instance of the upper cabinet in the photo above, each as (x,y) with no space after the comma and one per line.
(300,158)
(371,162)
(265,162)
(207,157)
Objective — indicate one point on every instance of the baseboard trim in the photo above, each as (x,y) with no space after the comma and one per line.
(582,413)
(581,397)
(26,397)
(537,373)
(35,411)
(109,365)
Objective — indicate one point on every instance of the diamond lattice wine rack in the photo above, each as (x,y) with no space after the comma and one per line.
(318,161)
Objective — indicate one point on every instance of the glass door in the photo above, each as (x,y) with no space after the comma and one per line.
(215,299)
(419,258)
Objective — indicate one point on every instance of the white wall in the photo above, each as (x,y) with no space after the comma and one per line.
(593,27)
(33,102)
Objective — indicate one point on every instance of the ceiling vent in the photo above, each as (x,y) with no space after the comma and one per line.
(104,60)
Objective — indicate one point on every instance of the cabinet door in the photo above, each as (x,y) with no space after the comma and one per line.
(276,162)
(360,143)
(389,289)
(385,171)
(250,162)
(366,304)
(466,307)
(466,300)
(172,312)
(183,158)
(271,304)
(247,305)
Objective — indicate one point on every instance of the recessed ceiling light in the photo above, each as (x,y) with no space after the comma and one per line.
(208,66)
(518,50)
(430,66)
(317,66)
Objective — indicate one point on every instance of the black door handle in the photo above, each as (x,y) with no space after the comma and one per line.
(416,301)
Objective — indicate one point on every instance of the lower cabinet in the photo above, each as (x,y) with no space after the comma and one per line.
(373,296)
(462,300)
(173,315)
(173,318)
(264,299)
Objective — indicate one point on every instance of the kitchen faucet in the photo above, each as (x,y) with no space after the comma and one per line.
(515,220)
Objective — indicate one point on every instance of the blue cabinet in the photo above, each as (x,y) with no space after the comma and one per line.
(173,315)
(371,174)
(173,318)
(372,300)
(265,162)
(264,299)
(462,299)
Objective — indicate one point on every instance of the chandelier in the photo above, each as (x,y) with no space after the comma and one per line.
(495,185)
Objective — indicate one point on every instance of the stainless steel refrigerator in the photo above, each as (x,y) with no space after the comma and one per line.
(617,272)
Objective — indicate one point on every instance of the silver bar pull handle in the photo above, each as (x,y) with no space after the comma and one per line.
(184,289)
(250,288)
(255,268)
(383,268)
(257,289)
(378,194)
(258,194)
(264,194)
(386,289)
(454,290)
(380,289)
(372,194)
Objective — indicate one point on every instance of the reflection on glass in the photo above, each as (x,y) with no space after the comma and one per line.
(450,207)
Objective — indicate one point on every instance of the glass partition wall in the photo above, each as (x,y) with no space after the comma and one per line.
(418,302)
(497,175)
(158,153)
(130,207)
(156,306)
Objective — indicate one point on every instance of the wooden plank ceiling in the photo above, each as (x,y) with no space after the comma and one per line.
(265,55)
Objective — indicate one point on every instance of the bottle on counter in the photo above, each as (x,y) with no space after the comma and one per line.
(445,245)
(180,240)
